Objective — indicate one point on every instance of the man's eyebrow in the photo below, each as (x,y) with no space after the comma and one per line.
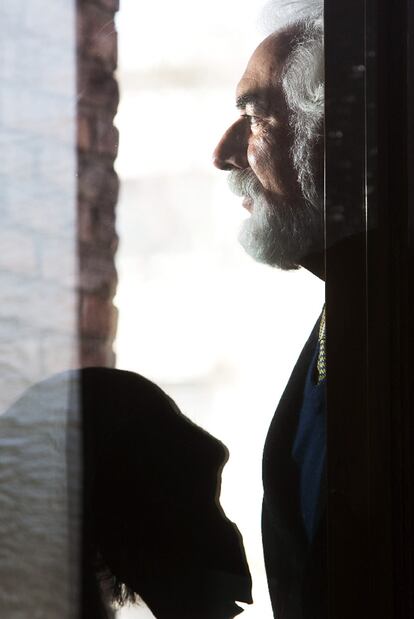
(251,98)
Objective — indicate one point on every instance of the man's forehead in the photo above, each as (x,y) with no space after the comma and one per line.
(265,67)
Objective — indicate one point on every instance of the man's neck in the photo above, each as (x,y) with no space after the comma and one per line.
(315,263)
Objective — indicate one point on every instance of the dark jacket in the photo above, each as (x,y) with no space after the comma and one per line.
(296,569)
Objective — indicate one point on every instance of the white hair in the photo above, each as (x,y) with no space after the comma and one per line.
(302,81)
(280,14)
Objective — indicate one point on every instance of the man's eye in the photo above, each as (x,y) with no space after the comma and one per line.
(253,121)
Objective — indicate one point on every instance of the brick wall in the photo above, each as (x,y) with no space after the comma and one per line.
(97,141)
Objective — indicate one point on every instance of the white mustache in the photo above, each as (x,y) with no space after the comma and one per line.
(244,183)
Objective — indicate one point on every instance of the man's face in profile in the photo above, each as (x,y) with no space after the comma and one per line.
(259,152)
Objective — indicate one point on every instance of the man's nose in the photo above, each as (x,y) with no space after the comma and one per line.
(231,152)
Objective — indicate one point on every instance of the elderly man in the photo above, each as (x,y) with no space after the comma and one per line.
(274,155)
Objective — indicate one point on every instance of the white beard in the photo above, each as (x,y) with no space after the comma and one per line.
(278,232)
(255,235)
(281,234)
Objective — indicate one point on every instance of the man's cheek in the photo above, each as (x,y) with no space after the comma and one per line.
(260,161)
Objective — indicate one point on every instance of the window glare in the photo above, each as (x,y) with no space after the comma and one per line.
(197,315)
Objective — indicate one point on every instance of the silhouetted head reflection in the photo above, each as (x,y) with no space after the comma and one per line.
(153,524)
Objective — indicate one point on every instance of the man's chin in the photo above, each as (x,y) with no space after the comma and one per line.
(263,247)
(282,234)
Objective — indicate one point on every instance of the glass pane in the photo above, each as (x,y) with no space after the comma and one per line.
(40,464)
(216,330)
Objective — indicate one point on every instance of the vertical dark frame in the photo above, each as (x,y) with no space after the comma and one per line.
(401,105)
(369,302)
